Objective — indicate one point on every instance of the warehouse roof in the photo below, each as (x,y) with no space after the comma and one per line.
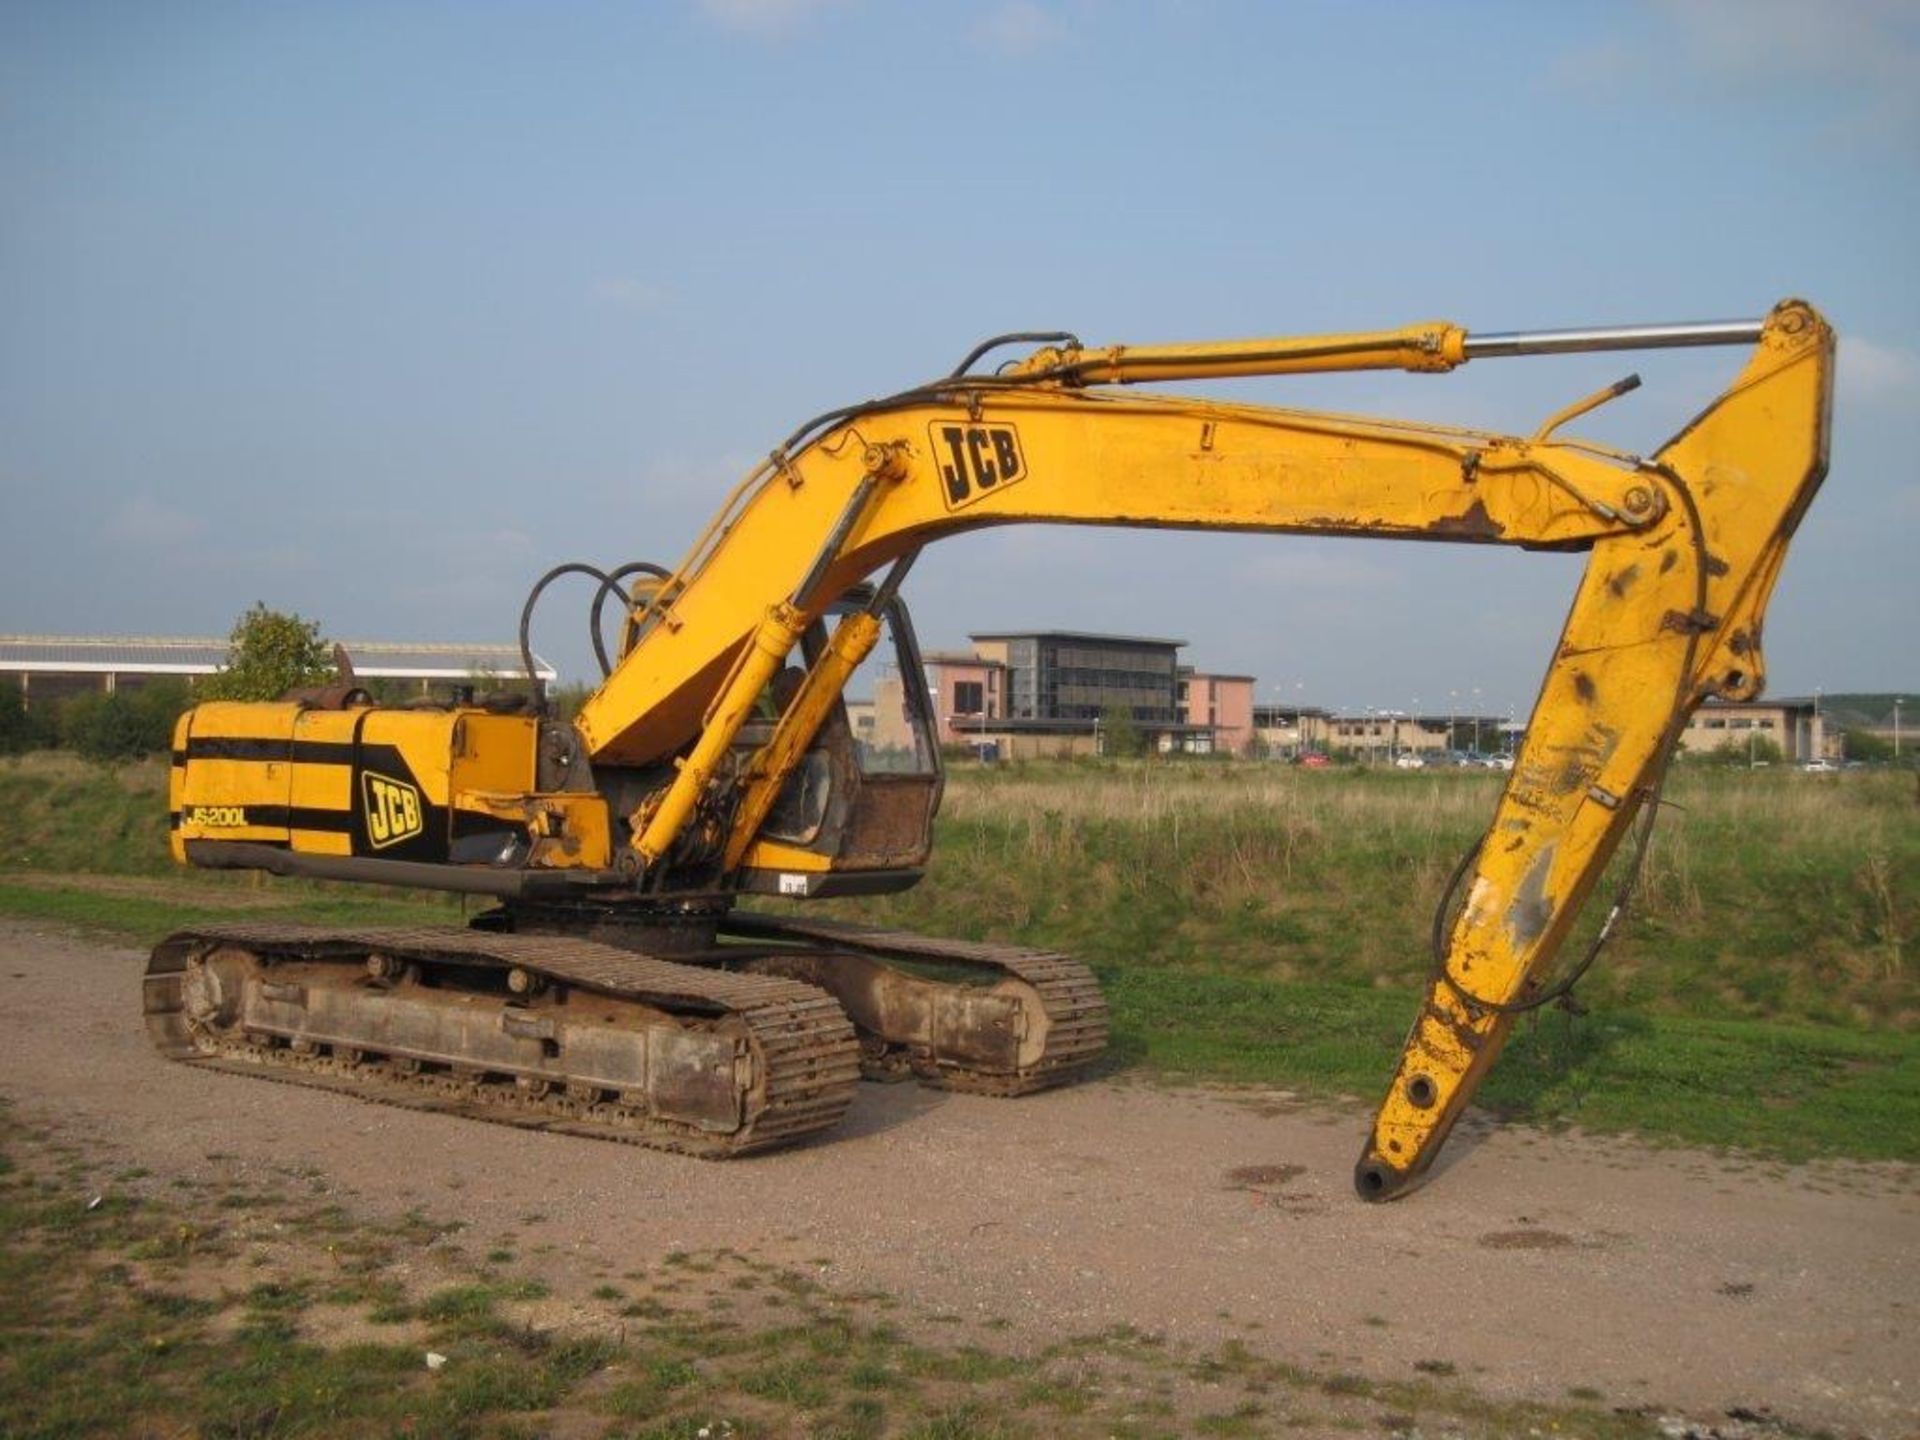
(196,655)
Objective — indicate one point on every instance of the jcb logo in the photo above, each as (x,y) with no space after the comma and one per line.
(393,810)
(976,460)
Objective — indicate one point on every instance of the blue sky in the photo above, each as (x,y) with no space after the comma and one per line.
(375,311)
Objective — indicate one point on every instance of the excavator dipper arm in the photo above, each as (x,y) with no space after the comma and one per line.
(1662,620)
(1683,552)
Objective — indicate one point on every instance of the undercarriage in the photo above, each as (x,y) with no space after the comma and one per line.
(749,1038)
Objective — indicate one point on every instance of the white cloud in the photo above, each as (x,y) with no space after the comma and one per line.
(1862,55)
(146,522)
(1877,374)
(764,19)
(1019,27)
(1867,42)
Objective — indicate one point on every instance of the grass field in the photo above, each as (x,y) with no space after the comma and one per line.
(1253,923)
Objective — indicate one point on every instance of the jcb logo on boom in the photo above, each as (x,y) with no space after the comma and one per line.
(393,810)
(975,460)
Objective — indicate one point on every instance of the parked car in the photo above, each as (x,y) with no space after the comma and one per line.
(1497,762)
(1314,760)
(1410,761)
(1821,766)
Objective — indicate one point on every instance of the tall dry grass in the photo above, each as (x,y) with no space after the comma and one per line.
(1762,893)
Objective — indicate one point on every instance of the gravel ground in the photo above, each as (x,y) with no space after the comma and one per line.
(1534,1264)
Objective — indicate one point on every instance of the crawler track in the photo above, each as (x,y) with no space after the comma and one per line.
(1063,995)
(707,1062)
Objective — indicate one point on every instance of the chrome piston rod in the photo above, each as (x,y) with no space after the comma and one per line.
(1620,337)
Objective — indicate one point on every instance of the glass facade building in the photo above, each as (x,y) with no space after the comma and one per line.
(1062,675)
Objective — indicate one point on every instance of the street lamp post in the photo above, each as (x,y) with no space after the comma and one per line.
(1896,727)
(1476,722)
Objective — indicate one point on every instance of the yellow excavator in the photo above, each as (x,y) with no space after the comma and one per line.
(619,988)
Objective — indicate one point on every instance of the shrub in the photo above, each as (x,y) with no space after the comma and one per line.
(1739,753)
(22,729)
(124,725)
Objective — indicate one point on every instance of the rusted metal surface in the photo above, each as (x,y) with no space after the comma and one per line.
(974,1026)
(1060,1022)
(344,691)
(598,1042)
(1474,523)
(891,825)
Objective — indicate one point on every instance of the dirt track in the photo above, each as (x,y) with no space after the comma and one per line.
(1533,1264)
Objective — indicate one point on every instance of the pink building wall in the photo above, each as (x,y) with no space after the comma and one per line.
(1224,702)
(945,676)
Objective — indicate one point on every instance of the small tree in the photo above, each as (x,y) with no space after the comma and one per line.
(269,654)
(1865,745)
(1119,735)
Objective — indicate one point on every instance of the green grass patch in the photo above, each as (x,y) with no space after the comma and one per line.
(148,919)
(61,813)
(1793,1090)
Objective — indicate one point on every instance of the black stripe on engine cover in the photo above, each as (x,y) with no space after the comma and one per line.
(236,747)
